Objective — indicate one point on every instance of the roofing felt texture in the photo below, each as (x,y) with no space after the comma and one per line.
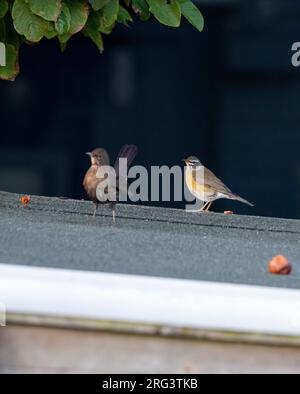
(53,232)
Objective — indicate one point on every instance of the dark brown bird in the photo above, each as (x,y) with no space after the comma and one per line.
(99,157)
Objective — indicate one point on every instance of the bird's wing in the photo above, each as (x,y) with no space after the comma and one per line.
(214,183)
(105,159)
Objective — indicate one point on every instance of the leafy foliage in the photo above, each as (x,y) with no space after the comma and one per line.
(29,21)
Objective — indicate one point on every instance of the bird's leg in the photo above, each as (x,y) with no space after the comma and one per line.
(95,210)
(208,206)
(203,209)
(113,208)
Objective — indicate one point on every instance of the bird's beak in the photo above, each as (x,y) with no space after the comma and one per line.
(89,154)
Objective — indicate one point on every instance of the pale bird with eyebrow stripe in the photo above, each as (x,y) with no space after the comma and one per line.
(205,186)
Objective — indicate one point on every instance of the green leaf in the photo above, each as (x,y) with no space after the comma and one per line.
(63,23)
(63,46)
(29,21)
(141,7)
(192,14)
(167,12)
(26,23)
(110,12)
(3,8)
(109,16)
(48,10)
(98,4)
(124,16)
(79,15)
(106,29)
(8,34)
(51,32)
(11,70)
(92,30)
(2,31)
(64,38)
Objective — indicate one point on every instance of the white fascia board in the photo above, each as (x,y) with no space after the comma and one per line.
(68,294)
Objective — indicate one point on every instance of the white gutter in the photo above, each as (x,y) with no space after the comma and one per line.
(112,301)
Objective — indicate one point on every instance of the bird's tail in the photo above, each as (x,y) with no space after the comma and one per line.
(127,152)
(238,198)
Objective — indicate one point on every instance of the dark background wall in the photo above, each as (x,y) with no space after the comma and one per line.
(229,95)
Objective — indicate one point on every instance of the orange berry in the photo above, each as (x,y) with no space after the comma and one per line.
(280,265)
(25,200)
